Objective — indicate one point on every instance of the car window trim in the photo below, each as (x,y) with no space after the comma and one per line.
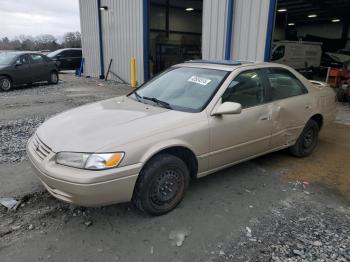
(265,72)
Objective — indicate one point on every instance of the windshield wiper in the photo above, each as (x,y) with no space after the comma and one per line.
(157,101)
(138,97)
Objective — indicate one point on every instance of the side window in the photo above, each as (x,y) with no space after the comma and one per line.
(23,59)
(76,53)
(278,53)
(36,58)
(46,59)
(64,54)
(284,84)
(246,89)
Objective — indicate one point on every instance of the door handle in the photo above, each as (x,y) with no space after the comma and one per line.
(307,107)
(264,118)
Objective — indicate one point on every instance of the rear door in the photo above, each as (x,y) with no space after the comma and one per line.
(22,70)
(290,106)
(240,136)
(39,67)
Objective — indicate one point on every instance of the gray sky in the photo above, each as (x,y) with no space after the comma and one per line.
(35,17)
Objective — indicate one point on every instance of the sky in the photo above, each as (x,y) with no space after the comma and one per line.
(35,17)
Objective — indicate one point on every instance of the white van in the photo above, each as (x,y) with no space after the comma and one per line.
(298,55)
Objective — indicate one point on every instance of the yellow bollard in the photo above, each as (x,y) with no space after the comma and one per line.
(133,81)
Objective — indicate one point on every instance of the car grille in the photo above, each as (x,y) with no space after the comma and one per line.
(39,148)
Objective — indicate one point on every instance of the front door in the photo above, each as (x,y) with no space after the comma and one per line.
(240,136)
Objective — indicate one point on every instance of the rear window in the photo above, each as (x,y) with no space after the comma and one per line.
(53,54)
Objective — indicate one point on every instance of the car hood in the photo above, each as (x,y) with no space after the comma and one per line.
(113,122)
(3,67)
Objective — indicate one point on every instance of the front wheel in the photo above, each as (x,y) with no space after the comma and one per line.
(307,141)
(5,83)
(161,185)
(54,78)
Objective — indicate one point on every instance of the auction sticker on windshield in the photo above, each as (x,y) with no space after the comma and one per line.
(199,80)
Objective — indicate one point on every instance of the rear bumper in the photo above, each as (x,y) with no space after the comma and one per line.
(115,185)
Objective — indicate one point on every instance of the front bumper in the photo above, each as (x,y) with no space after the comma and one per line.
(82,187)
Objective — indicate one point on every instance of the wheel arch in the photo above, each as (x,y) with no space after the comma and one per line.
(7,75)
(184,152)
(318,118)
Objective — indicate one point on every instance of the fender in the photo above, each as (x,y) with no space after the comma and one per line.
(162,145)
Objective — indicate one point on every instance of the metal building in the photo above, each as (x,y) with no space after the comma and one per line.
(159,33)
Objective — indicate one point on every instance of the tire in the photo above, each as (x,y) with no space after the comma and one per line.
(307,140)
(54,78)
(161,185)
(5,83)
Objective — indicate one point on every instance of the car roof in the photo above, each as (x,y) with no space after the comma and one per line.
(65,49)
(20,52)
(226,65)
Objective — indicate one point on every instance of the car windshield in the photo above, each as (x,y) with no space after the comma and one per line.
(54,53)
(183,88)
(6,58)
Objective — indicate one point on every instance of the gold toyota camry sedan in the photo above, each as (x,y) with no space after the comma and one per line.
(190,121)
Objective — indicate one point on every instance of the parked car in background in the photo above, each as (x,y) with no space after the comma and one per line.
(298,55)
(344,52)
(67,58)
(18,68)
(190,121)
(45,52)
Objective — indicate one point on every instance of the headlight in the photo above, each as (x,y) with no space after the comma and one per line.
(89,161)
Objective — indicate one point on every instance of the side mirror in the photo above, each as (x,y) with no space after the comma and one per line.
(58,57)
(228,108)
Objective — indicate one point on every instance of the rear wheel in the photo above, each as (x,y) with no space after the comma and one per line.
(54,78)
(161,185)
(5,83)
(307,141)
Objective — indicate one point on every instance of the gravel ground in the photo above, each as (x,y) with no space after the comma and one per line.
(295,232)
(39,101)
(14,136)
(35,89)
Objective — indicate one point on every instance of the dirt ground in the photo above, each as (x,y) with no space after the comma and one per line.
(274,208)
(328,166)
